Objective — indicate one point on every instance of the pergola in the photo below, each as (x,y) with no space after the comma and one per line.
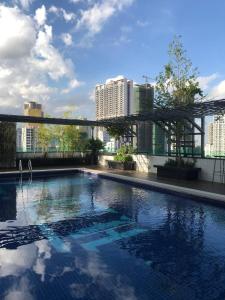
(165,118)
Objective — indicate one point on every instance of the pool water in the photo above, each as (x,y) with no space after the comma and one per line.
(83,237)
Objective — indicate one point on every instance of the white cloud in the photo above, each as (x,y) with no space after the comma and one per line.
(41,15)
(204,81)
(28,60)
(67,39)
(218,91)
(48,58)
(92,95)
(17,33)
(119,77)
(61,12)
(94,18)
(24,3)
(74,83)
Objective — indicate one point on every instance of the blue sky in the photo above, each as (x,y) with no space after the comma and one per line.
(56,51)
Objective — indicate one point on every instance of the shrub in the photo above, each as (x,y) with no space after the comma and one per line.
(124,154)
(182,163)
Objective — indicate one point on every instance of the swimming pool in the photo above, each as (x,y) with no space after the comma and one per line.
(83,237)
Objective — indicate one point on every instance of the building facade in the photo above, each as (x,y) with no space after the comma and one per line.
(114,98)
(120,97)
(30,130)
(143,103)
(33,109)
(29,139)
(216,137)
(19,144)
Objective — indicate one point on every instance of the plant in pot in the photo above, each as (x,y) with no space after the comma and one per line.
(177,86)
(182,169)
(94,146)
(123,159)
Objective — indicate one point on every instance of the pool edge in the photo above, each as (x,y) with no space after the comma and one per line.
(200,195)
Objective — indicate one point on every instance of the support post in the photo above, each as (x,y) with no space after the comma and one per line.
(203,137)
(137,137)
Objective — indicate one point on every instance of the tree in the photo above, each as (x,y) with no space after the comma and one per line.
(69,137)
(117,131)
(94,146)
(177,85)
(45,135)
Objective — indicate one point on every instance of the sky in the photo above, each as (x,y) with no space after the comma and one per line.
(56,51)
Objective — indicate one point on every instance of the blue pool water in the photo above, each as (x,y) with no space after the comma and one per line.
(83,237)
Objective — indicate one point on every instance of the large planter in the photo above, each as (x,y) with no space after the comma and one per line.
(178,173)
(130,165)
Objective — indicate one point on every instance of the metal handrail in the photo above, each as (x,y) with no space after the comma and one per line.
(30,166)
(20,166)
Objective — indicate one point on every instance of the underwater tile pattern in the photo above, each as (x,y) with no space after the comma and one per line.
(82,237)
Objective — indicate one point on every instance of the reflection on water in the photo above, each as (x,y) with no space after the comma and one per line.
(7,202)
(80,237)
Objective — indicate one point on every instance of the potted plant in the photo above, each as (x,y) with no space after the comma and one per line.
(183,170)
(123,160)
(94,146)
(177,87)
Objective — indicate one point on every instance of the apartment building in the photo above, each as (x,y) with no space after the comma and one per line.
(216,137)
(114,98)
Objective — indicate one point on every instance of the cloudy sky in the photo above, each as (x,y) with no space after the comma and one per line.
(55,51)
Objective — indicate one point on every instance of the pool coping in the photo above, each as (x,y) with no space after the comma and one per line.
(196,194)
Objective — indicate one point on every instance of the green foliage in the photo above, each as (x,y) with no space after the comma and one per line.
(116,131)
(67,137)
(177,84)
(182,163)
(45,135)
(124,154)
(94,145)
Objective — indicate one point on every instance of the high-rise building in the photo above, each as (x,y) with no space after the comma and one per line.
(19,144)
(143,103)
(33,109)
(114,98)
(120,97)
(216,134)
(29,139)
(30,131)
(143,98)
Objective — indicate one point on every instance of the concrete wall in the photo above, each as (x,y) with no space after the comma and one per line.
(102,160)
(145,164)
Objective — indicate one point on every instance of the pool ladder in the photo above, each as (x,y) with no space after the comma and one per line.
(20,166)
(29,167)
